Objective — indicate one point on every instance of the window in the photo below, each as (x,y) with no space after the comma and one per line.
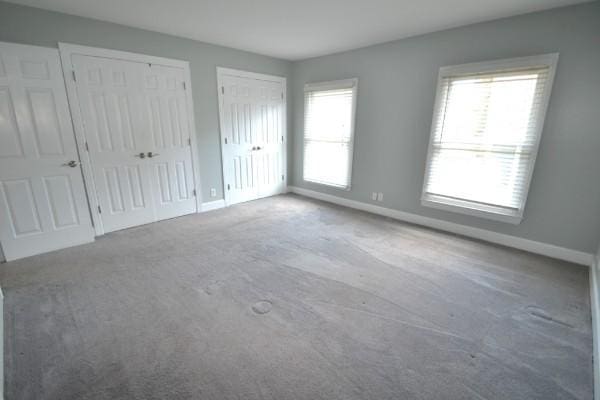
(329,109)
(486,128)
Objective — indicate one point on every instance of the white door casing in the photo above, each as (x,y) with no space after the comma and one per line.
(135,113)
(253,134)
(43,203)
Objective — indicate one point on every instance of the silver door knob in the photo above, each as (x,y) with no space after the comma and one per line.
(151,154)
(141,155)
(71,164)
(258,147)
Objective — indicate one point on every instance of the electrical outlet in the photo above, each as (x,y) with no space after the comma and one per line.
(213,192)
(374,196)
(379,196)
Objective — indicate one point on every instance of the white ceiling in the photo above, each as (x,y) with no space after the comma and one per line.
(295,29)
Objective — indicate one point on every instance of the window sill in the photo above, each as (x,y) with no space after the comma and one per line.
(330,185)
(464,207)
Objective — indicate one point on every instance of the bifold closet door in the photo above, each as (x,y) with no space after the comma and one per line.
(252,132)
(111,100)
(169,135)
(43,204)
(269,133)
(238,110)
(138,136)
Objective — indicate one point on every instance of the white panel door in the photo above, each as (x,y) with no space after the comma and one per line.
(111,101)
(252,132)
(239,146)
(43,204)
(270,138)
(136,125)
(170,159)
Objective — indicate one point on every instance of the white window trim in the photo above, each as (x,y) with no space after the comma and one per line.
(332,85)
(466,207)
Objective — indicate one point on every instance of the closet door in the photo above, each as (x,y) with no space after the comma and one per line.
(43,203)
(135,119)
(169,155)
(268,130)
(253,135)
(112,103)
(239,115)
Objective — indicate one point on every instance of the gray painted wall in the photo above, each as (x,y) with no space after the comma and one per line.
(44,28)
(395,102)
(396,92)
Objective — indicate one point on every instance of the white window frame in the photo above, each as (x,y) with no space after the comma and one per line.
(332,85)
(466,207)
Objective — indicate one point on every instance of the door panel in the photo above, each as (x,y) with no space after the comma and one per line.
(43,204)
(115,194)
(243,173)
(164,182)
(61,200)
(10,134)
(45,122)
(134,178)
(22,208)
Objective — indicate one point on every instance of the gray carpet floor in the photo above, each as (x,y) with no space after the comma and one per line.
(288,298)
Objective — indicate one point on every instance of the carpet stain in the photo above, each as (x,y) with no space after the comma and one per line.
(262,307)
(212,288)
(539,313)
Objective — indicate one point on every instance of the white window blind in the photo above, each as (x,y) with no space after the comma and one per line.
(329,132)
(485,134)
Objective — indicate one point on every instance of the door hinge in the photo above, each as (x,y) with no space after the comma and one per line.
(74,75)
(281,95)
(228,187)
(87,148)
(99,210)
(222,89)
(194,192)
(282,139)
(183,85)
(189,141)
(225,140)
(283,177)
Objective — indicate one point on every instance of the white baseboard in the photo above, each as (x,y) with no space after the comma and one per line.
(1,345)
(212,205)
(561,253)
(595,305)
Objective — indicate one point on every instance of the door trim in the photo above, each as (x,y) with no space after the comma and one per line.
(221,73)
(66,52)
